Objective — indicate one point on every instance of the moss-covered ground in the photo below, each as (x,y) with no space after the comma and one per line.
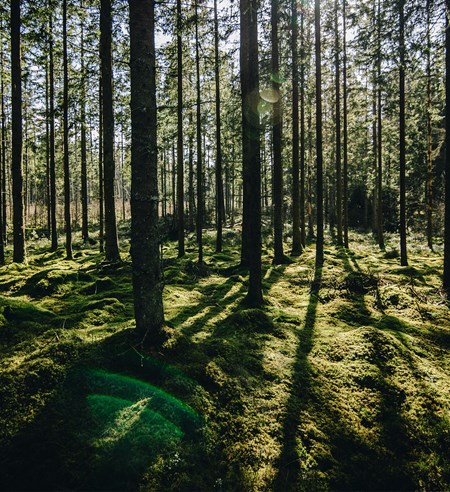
(341,381)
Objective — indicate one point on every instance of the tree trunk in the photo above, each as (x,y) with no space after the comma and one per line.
(338,126)
(67,218)
(319,143)
(296,233)
(345,127)
(16,123)
(200,204)
(192,212)
(180,157)
(147,286)
(84,184)
(277,127)
(54,231)
(403,252)
(220,206)
(251,159)
(47,148)
(302,131)
(3,151)
(111,245)
(429,182)
(100,168)
(379,153)
(2,161)
(446,276)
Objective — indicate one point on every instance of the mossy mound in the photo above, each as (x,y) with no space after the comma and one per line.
(340,381)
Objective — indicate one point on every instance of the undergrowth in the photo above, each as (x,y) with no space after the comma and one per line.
(341,381)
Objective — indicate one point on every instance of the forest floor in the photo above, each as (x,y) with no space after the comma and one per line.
(341,381)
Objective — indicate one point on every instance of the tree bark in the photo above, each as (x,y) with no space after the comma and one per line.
(338,126)
(251,159)
(220,206)
(345,127)
(53,227)
(379,133)
(67,218)
(319,141)
(3,152)
(111,245)
(180,157)
(446,276)
(101,202)
(200,204)
(277,141)
(16,123)
(403,251)
(84,184)
(147,286)
(296,233)
(429,183)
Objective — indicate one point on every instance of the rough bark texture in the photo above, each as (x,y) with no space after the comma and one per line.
(101,202)
(220,206)
(379,133)
(53,225)
(3,153)
(199,147)
(403,251)
(111,244)
(338,125)
(296,233)
(302,131)
(319,138)
(16,127)
(180,157)
(277,141)
(429,183)
(147,286)
(345,127)
(84,184)
(2,163)
(67,219)
(251,146)
(191,224)
(447,154)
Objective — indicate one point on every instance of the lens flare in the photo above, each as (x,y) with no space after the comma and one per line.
(270,96)
(126,388)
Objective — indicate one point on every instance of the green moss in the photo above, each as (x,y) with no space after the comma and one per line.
(344,387)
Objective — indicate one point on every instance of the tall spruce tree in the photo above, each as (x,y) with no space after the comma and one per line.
(17,135)
(147,285)
(66,150)
(319,138)
(447,153)
(111,244)
(251,147)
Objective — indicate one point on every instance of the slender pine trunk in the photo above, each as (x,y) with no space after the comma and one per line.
(402,146)
(67,215)
(180,156)
(111,244)
(319,138)
(220,206)
(16,124)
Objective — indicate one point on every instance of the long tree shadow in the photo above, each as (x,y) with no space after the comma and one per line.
(289,463)
(379,465)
